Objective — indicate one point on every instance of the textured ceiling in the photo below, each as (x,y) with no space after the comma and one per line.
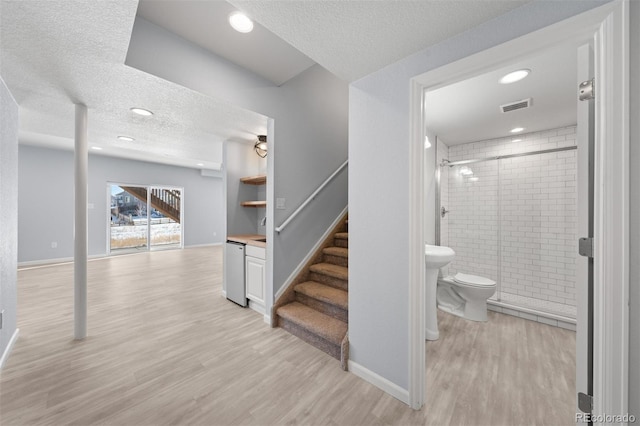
(355,38)
(54,53)
(205,24)
(57,53)
(469,111)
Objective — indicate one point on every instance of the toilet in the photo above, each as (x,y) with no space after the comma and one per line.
(465,295)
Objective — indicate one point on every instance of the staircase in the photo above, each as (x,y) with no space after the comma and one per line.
(166,201)
(316,306)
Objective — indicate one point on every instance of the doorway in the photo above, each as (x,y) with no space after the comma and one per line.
(143,218)
(607,27)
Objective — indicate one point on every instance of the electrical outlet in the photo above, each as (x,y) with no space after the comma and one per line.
(54,244)
(280,203)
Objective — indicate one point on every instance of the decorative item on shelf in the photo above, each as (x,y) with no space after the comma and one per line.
(261,146)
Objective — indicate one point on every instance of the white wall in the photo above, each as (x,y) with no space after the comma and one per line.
(431,188)
(442,153)
(8,215)
(240,160)
(379,150)
(310,129)
(46,203)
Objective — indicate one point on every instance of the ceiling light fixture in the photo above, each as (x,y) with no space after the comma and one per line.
(514,76)
(96,148)
(517,140)
(240,22)
(200,164)
(517,129)
(126,138)
(261,146)
(141,111)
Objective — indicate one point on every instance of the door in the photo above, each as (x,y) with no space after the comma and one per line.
(129,229)
(165,217)
(584,267)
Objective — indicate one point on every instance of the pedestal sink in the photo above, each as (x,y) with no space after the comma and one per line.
(435,257)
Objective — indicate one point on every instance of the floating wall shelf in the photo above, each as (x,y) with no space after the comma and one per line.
(254,180)
(253,204)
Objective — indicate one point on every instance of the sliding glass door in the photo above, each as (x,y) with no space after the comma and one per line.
(165,223)
(129,225)
(144,218)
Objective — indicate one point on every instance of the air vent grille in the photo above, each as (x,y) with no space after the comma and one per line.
(525,103)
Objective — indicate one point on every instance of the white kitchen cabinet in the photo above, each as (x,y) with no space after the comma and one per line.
(255,276)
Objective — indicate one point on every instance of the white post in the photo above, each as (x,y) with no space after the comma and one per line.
(80,252)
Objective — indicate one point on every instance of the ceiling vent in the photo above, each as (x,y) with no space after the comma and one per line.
(525,103)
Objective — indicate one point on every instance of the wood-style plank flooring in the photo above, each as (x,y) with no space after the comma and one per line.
(165,347)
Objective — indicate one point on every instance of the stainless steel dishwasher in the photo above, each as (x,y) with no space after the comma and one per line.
(234,269)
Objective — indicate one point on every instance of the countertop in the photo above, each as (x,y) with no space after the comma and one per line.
(249,239)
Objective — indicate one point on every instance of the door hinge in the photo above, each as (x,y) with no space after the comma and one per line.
(585,247)
(585,403)
(587,90)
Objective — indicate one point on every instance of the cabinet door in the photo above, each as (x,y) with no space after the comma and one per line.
(255,277)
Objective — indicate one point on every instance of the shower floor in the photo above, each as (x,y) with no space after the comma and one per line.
(537,304)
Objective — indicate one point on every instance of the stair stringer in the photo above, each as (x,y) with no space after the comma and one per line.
(287,294)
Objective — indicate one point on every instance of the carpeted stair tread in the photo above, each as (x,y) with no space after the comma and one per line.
(335,271)
(342,235)
(336,251)
(324,293)
(328,328)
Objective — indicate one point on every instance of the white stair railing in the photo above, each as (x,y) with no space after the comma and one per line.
(311,197)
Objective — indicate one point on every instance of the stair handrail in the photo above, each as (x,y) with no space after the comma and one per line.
(311,197)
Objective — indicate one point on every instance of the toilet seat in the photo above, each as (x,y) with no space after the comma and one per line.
(473,280)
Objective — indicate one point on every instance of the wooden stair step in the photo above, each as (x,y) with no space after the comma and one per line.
(341,239)
(324,293)
(324,326)
(334,271)
(336,251)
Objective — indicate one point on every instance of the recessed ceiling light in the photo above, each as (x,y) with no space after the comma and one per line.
(240,22)
(473,179)
(517,129)
(517,140)
(514,76)
(126,138)
(200,164)
(141,111)
(96,148)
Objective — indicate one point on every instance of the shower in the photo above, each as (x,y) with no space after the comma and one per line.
(508,209)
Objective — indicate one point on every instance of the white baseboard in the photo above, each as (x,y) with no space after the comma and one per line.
(57,261)
(203,245)
(309,255)
(258,307)
(7,352)
(379,381)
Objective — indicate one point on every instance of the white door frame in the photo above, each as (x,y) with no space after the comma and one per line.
(608,26)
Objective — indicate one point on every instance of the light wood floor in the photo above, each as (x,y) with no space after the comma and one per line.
(165,347)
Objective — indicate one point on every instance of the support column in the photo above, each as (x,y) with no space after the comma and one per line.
(80,244)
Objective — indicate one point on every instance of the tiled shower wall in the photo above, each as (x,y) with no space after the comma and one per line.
(442,153)
(514,220)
